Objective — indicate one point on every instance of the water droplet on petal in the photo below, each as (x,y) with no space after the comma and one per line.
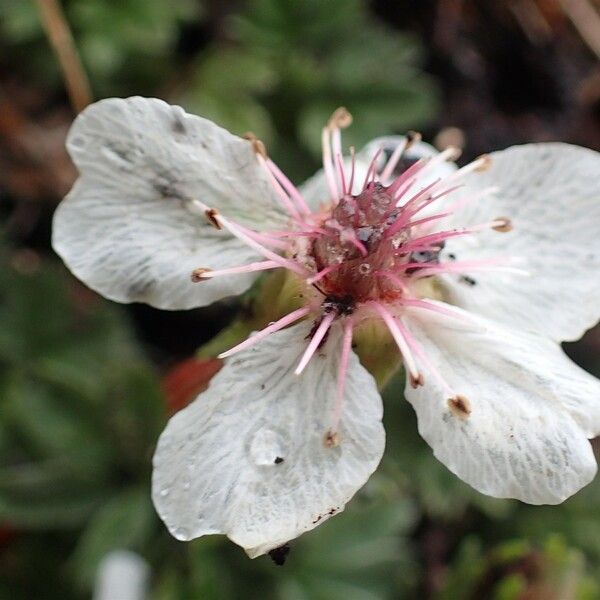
(268,448)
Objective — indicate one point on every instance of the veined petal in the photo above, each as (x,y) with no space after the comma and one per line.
(524,414)
(128,227)
(551,194)
(248,457)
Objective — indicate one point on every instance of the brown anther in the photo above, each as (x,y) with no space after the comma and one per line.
(340,118)
(460,406)
(486,163)
(332,439)
(504,224)
(197,274)
(412,137)
(417,381)
(211,215)
(257,145)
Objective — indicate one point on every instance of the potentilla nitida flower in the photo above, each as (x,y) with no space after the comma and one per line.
(477,274)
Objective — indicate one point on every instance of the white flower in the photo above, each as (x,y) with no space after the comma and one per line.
(478,273)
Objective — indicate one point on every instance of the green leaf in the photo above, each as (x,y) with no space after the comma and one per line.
(126,521)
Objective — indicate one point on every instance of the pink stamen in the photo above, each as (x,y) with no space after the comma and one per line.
(281,193)
(393,160)
(431,239)
(371,170)
(316,340)
(352,239)
(414,199)
(408,174)
(263,333)
(420,353)
(394,278)
(403,190)
(289,187)
(434,307)
(474,198)
(342,372)
(478,164)
(238,232)
(489,225)
(435,197)
(249,268)
(328,164)
(395,329)
(488,264)
(424,220)
(323,273)
(352,169)
(266,239)
(342,174)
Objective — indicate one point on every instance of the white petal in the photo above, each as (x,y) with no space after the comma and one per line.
(217,467)
(551,193)
(531,411)
(127,228)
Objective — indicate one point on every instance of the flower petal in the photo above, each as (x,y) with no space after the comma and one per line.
(248,457)
(128,227)
(531,410)
(551,193)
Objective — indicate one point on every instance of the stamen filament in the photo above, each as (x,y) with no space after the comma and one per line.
(342,372)
(393,160)
(317,338)
(279,190)
(422,355)
(205,274)
(263,333)
(394,278)
(394,327)
(352,169)
(238,232)
(323,273)
(328,164)
(372,169)
(289,187)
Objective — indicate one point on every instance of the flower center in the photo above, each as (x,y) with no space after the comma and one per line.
(362,240)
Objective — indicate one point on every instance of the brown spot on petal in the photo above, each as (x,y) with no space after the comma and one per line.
(332,439)
(460,406)
(211,215)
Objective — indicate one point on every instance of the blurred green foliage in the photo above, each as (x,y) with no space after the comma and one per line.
(127,46)
(293,63)
(276,67)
